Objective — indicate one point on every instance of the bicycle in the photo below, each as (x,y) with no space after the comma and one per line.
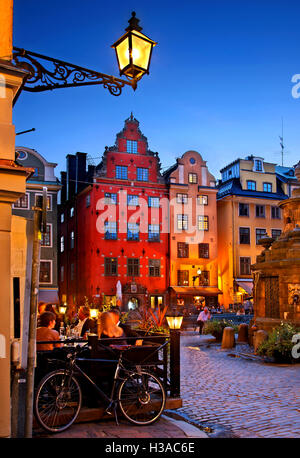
(139,394)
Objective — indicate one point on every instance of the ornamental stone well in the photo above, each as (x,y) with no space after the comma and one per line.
(277,270)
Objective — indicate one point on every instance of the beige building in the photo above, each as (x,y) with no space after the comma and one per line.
(193,233)
(247,202)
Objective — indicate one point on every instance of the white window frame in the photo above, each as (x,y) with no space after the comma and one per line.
(50,200)
(51,237)
(28,203)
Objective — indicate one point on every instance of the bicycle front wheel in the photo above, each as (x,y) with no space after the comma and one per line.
(142,398)
(58,401)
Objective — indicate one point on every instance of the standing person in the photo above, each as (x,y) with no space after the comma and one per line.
(202,318)
(85,323)
(46,332)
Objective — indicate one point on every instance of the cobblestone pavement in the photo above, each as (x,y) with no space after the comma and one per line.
(248,398)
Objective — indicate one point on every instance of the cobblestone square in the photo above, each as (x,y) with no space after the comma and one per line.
(244,398)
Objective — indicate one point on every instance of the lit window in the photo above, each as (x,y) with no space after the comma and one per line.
(22,203)
(202,200)
(183,277)
(46,237)
(202,223)
(62,217)
(71,212)
(72,240)
(182,222)
(193,178)
(62,244)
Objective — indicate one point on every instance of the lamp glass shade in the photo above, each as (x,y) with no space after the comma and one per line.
(94,313)
(133,52)
(174,322)
(62,309)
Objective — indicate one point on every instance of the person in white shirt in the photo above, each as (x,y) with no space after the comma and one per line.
(85,323)
(202,318)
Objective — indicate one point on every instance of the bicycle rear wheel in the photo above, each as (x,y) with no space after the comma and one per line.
(142,398)
(58,401)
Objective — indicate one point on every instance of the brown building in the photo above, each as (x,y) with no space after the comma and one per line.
(193,233)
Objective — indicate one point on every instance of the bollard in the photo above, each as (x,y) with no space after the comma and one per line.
(259,337)
(251,334)
(243,333)
(228,338)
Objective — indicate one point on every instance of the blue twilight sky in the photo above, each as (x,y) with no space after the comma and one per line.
(219,83)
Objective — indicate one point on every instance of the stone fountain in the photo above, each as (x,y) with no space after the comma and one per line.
(277,269)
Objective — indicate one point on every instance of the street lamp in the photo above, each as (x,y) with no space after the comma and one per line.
(174,320)
(133,51)
(62,309)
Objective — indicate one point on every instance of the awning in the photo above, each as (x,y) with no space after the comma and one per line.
(194,291)
(246,286)
(50,296)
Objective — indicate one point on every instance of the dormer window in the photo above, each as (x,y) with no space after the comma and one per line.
(258,165)
(132,146)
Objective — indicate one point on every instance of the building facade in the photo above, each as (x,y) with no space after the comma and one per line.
(43,176)
(193,233)
(247,203)
(114,248)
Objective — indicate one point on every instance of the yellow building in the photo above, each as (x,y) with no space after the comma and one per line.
(193,233)
(249,192)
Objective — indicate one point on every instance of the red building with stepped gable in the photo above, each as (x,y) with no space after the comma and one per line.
(119,228)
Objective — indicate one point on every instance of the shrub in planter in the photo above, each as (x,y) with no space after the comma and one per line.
(278,345)
(216,328)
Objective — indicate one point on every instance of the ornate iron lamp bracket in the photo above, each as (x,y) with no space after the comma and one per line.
(62,75)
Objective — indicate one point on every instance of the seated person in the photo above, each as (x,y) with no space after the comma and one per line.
(126,328)
(85,323)
(107,328)
(46,331)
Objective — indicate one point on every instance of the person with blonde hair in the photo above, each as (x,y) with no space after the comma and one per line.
(107,328)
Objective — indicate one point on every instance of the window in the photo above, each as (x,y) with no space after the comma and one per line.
(62,273)
(132,200)
(202,200)
(181,198)
(110,198)
(243,209)
(72,240)
(153,232)
(251,185)
(49,201)
(153,202)
(45,272)
(110,267)
(110,230)
(203,249)
(182,250)
(275,213)
(260,211)
(88,200)
(62,244)
(260,233)
(72,271)
(133,231)
(202,223)
(71,212)
(204,278)
(121,172)
(183,277)
(62,217)
(244,235)
(267,187)
(154,267)
(133,267)
(182,222)
(245,264)
(132,146)
(142,174)
(23,202)
(47,236)
(276,233)
(257,165)
(193,178)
